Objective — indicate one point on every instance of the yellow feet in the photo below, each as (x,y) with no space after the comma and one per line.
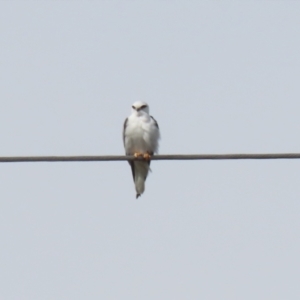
(147,156)
(138,154)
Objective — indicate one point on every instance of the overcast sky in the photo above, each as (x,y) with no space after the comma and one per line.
(219,77)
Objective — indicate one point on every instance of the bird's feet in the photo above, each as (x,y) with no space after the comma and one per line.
(147,156)
(138,154)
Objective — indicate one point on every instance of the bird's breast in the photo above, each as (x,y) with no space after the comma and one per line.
(136,136)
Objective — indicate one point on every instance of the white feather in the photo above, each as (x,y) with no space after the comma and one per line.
(141,172)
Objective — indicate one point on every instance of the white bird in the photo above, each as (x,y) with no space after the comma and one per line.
(140,138)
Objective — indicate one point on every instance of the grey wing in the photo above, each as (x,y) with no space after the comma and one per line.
(156,125)
(131,163)
(155,122)
(124,128)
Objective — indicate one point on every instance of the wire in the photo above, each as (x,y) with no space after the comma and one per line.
(156,157)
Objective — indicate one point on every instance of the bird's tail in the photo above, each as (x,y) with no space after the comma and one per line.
(141,172)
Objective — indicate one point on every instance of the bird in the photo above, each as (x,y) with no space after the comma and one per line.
(141,139)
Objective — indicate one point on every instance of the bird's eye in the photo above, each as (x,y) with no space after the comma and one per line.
(143,106)
(133,107)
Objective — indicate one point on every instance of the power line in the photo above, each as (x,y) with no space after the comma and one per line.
(87,158)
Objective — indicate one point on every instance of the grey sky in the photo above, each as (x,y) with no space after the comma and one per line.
(220,77)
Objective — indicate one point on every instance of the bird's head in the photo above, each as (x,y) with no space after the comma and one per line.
(140,107)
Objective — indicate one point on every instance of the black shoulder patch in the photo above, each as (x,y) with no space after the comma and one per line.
(156,124)
(124,128)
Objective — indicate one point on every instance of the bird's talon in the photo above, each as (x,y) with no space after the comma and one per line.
(147,156)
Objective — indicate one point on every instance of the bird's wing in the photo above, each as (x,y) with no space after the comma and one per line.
(155,122)
(132,169)
(156,125)
(131,163)
(124,129)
